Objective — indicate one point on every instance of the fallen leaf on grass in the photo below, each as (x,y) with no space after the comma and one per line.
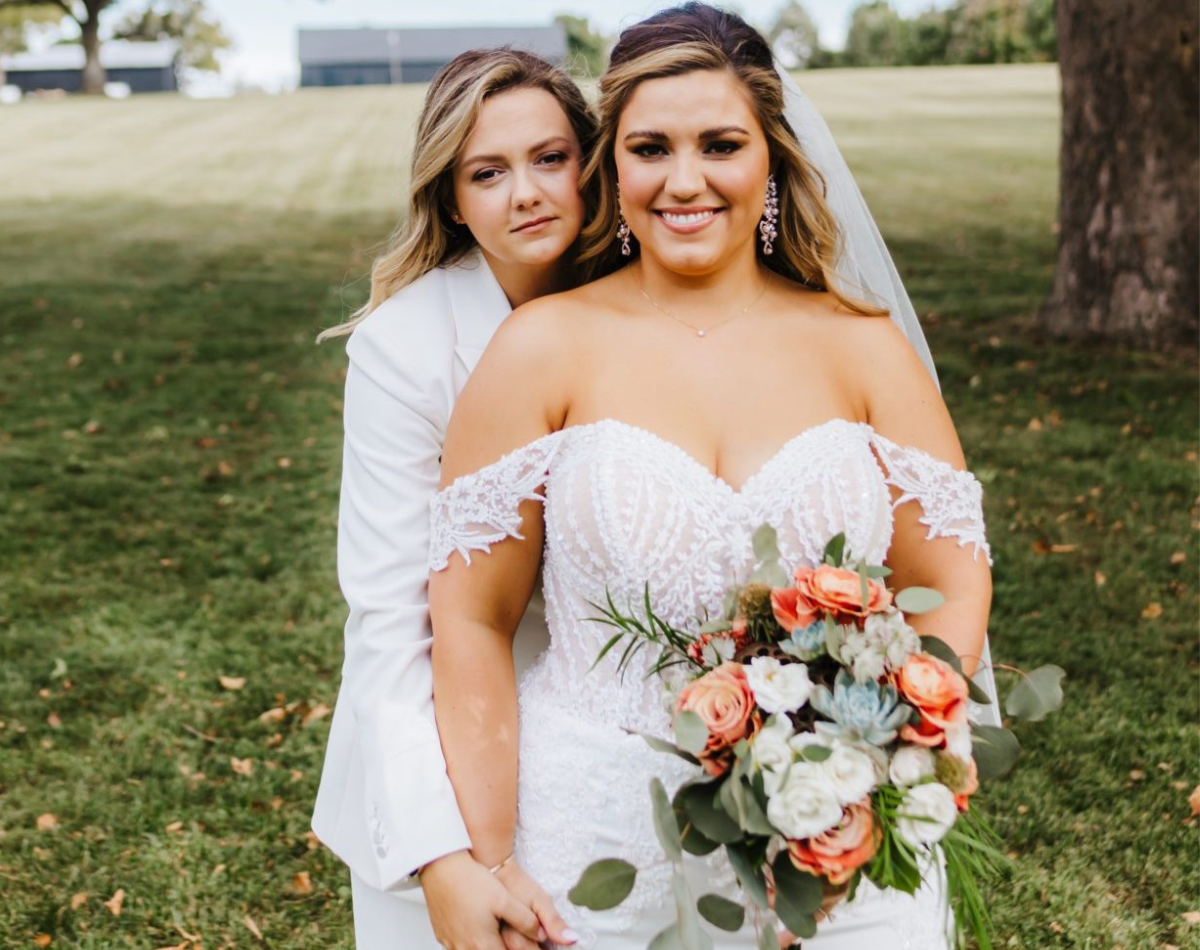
(1192,916)
(46,822)
(174,827)
(232,683)
(1063,548)
(1101,578)
(53,721)
(252,926)
(241,766)
(116,903)
(74,360)
(277,714)
(319,711)
(194,938)
(78,900)
(1194,800)
(1152,611)
(301,884)
(176,946)
(1035,425)
(312,842)
(1137,775)
(43,940)
(1178,558)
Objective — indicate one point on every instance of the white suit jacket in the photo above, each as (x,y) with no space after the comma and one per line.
(385,804)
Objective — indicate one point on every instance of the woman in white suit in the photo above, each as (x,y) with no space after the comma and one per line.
(493,218)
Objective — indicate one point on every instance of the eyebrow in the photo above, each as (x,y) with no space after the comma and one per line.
(654,135)
(540,146)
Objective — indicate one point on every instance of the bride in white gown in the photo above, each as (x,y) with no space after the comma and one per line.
(722,379)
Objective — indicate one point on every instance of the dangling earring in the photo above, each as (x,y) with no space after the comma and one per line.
(766,227)
(623,231)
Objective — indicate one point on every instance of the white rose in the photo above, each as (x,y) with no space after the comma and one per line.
(772,753)
(851,772)
(911,764)
(778,687)
(805,804)
(958,741)
(926,814)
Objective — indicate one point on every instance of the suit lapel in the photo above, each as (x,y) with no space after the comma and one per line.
(478,304)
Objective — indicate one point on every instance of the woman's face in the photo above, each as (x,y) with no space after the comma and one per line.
(692,162)
(516,183)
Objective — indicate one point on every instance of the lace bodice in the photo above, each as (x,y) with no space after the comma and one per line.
(625,508)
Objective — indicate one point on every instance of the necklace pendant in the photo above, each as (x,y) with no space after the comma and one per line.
(700,333)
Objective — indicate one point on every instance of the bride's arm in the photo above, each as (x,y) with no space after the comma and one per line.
(904,406)
(515,397)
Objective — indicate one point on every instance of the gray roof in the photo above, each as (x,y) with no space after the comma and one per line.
(114,54)
(423,44)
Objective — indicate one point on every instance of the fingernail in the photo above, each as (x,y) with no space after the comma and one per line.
(570,936)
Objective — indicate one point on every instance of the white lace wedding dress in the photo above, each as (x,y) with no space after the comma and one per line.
(623,508)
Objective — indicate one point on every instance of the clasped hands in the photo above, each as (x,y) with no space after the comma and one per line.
(472,908)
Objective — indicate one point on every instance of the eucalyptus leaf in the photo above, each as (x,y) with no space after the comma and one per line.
(699,802)
(995,751)
(835,550)
(668,939)
(665,825)
(768,939)
(977,693)
(797,896)
(919,600)
(748,875)
(603,884)
(690,732)
(833,641)
(740,804)
(721,912)
(720,625)
(815,753)
(766,543)
(661,745)
(878,571)
(694,936)
(935,646)
(1037,694)
(771,574)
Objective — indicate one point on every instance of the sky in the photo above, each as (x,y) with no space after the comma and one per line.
(265,30)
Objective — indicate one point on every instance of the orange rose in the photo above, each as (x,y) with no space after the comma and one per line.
(839,591)
(785,602)
(938,692)
(842,850)
(962,795)
(725,704)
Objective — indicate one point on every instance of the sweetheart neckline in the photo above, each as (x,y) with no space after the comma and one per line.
(700,466)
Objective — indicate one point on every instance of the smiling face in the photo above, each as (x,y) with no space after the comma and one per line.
(692,162)
(516,183)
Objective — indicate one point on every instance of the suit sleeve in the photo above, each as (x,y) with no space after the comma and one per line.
(394,424)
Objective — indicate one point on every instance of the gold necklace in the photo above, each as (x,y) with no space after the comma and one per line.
(703,331)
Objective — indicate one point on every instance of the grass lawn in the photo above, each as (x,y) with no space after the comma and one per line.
(169,459)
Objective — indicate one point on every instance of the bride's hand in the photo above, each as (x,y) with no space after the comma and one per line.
(468,905)
(526,890)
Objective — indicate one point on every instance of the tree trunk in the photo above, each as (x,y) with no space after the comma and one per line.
(1128,265)
(93,72)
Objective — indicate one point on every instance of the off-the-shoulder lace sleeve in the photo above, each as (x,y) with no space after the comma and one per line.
(482,508)
(951,500)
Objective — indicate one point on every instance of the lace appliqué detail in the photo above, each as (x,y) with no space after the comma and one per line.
(483,508)
(951,500)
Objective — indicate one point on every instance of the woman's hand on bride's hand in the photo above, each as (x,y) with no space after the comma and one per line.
(525,889)
(468,906)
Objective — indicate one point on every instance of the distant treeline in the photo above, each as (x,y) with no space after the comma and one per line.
(965,31)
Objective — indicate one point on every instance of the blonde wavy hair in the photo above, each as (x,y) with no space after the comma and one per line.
(427,237)
(696,36)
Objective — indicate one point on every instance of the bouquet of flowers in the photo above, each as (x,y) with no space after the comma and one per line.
(832,743)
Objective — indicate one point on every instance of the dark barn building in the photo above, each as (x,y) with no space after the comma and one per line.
(144,67)
(367,57)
